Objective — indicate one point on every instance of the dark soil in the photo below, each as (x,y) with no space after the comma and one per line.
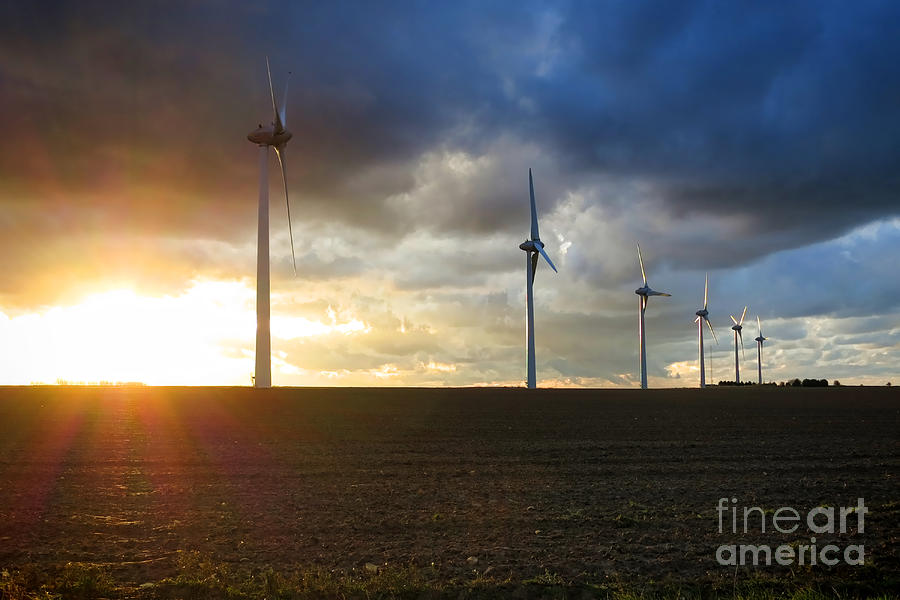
(580,485)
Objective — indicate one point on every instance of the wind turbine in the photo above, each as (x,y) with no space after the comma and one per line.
(737,327)
(275,136)
(644,294)
(703,315)
(759,344)
(532,248)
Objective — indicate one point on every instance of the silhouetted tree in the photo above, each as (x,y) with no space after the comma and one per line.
(814,383)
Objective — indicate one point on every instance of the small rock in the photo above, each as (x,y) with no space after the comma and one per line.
(472,560)
(147,586)
(487,571)
(372,568)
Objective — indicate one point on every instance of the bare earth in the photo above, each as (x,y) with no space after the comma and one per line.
(589,485)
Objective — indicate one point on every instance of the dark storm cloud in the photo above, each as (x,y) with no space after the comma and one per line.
(790,107)
(132,118)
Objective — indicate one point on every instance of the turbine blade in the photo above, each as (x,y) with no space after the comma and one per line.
(758,326)
(697,319)
(733,319)
(741,337)
(711,330)
(282,113)
(279,152)
(641,259)
(534,223)
(743,314)
(547,258)
(278,125)
(706,292)
(655,293)
(534,263)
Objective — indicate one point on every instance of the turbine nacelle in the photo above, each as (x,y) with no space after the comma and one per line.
(702,313)
(737,327)
(267,136)
(645,291)
(761,339)
(531,245)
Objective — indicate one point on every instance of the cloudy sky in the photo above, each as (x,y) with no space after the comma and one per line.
(758,143)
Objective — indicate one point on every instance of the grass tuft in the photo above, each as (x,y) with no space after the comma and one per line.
(199,577)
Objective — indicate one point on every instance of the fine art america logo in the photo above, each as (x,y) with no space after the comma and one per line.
(820,520)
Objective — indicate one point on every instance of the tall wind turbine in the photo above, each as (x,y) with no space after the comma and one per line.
(271,136)
(703,315)
(644,294)
(759,344)
(532,248)
(737,327)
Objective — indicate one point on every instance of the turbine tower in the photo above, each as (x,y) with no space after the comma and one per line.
(737,327)
(644,294)
(703,315)
(532,248)
(759,344)
(271,136)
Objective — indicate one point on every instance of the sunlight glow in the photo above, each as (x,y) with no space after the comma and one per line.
(290,328)
(689,370)
(205,335)
(440,367)
(385,372)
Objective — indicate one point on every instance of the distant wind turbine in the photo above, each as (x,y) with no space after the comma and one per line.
(703,315)
(532,248)
(737,327)
(276,136)
(759,344)
(644,294)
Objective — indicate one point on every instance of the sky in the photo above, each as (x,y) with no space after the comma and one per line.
(757,143)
